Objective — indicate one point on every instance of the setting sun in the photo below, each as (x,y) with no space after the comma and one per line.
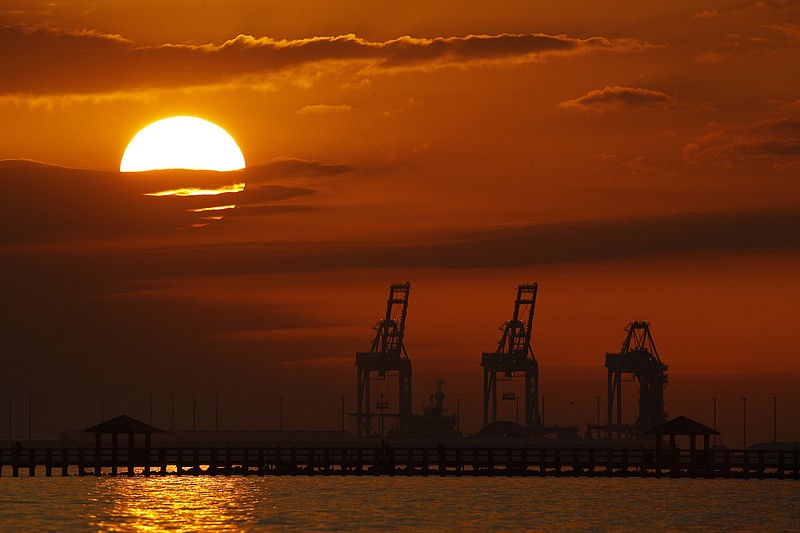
(182,143)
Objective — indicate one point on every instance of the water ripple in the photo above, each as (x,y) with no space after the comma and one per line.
(395,503)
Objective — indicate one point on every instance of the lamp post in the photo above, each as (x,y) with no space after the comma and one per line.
(715,419)
(542,410)
(382,407)
(744,422)
(774,419)
(598,415)
(342,396)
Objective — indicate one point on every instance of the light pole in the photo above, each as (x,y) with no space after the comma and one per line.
(542,410)
(774,419)
(744,422)
(598,415)
(342,413)
(715,419)
(383,404)
(280,415)
(458,413)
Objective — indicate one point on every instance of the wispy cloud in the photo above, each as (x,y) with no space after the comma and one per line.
(729,145)
(615,98)
(789,30)
(710,57)
(706,14)
(43,61)
(324,109)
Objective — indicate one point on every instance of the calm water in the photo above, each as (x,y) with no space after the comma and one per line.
(214,503)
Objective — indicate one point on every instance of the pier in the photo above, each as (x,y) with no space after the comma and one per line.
(517,461)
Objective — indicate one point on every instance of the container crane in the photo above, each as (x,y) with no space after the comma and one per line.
(386,356)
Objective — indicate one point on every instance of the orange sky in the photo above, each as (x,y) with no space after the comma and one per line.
(637,161)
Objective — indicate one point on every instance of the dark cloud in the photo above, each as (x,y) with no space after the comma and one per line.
(271,193)
(735,144)
(407,51)
(789,30)
(294,168)
(41,199)
(532,245)
(518,246)
(44,61)
(621,98)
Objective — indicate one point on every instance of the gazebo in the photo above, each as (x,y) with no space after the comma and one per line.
(125,425)
(682,425)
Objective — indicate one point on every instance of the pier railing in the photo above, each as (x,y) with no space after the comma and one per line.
(391,460)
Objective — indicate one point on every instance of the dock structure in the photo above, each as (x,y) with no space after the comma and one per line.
(518,461)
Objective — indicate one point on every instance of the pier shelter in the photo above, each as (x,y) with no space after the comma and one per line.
(682,426)
(124,425)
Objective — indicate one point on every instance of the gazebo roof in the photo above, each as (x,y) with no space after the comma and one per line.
(682,425)
(122,424)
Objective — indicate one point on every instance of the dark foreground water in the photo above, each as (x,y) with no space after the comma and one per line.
(350,503)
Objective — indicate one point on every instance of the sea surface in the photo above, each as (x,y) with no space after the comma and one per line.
(395,503)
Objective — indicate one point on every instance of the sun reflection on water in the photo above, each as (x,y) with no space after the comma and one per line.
(175,504)
(398,503)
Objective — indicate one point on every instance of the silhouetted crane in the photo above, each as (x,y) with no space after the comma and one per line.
(639,358)
(386,355)
(514,356)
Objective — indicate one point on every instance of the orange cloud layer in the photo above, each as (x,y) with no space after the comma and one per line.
(38,60)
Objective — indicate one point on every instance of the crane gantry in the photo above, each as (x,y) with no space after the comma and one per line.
(514,358)
(386,356)
(639,358)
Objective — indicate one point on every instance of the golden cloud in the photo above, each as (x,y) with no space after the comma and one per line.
(43,61)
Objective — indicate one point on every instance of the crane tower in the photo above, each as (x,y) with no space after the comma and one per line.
(514,358)
(637,358)
(387,355)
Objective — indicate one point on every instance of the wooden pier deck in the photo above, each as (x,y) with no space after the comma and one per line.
(400,461)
